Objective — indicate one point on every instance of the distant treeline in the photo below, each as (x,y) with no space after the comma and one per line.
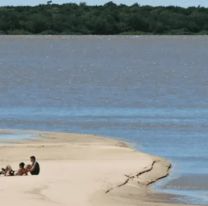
(107,19)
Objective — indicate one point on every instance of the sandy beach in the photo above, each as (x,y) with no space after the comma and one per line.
(81,170)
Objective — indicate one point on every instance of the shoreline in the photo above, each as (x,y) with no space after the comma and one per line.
(84,169)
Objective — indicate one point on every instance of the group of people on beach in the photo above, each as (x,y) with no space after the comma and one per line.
(33,169)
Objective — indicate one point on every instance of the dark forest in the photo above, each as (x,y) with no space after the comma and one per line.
(108,19)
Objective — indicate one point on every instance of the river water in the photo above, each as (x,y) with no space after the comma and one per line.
(151,91)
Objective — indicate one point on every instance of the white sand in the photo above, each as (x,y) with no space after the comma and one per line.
(79,170)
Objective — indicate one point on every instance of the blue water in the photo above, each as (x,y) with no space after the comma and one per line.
(149,91)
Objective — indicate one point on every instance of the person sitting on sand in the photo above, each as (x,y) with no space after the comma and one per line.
(7,171)
(34,169)
(22,170)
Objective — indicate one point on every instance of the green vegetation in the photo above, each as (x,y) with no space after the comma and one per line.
(107,19)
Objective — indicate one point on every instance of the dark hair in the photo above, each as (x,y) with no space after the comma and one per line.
(33,158)
(22,165)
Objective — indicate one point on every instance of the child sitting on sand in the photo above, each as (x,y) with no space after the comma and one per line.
(22,170)
(8,171)
(33,169)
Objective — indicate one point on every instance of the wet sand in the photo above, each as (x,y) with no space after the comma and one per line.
(81,170)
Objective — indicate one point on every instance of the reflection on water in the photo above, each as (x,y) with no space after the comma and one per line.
(151,91)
